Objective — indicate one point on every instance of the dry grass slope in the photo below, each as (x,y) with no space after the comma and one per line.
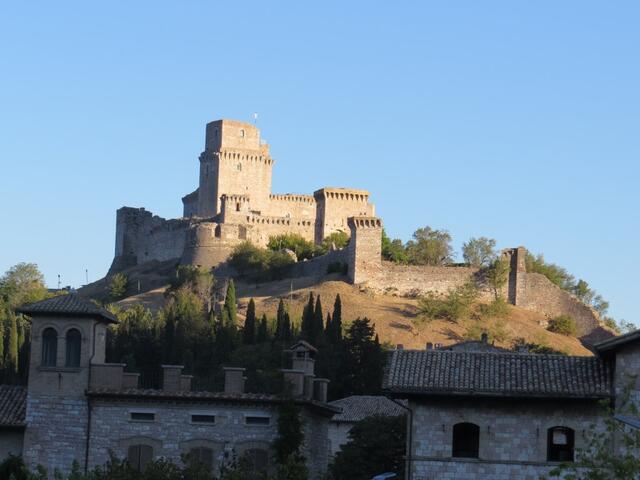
(393,316)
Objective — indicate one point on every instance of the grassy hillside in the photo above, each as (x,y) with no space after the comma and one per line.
(393,316)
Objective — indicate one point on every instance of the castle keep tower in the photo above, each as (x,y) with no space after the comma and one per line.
(234,162)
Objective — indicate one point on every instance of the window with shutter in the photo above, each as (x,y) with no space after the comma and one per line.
(49,347)
(73,340)
(139,456)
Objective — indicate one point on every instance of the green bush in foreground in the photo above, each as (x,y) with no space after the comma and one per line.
(563,324)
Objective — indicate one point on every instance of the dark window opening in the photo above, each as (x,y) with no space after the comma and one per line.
(560,443)
(74,341)
(257,420)
(466,440)
(202,455)
(237,207)
(143,416)
(49,347)
(139,456)
(203,418)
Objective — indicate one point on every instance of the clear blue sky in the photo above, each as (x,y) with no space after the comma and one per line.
(513,120)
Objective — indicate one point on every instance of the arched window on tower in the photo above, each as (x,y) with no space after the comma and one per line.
(49,347)
(74,340)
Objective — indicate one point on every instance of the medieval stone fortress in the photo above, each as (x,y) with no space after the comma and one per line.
(234,203)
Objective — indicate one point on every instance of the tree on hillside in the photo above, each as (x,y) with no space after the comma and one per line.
(430,247)
(334,328)
(249,328)
(230,304)
(318,323)
(376,444)
(497,275)
(393,250)
(337,239)
(118,287)
(263,330)
(364,360)
(12,345)
(308,315)
(304,249)
(479,252)
(22,284)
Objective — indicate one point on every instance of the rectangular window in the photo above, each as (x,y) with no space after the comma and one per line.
(200,418)
(142,416)
(255,420)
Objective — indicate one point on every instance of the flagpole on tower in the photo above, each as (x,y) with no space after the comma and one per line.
(255,118)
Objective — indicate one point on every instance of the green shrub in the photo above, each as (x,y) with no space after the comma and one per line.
(340,239)
(454,306)
(563,324)
(303,249)
(258,263)
(498,308)
(118,286)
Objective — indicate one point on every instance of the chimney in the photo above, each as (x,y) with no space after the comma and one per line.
(294,382)
(320,386)
(438,346)
(399,347)
(233,379)
(308,386)
(429,346)
(172,378)
(484,337)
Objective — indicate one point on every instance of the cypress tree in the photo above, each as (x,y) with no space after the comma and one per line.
(318,322)
(249,329)
(335,332)
(286,328)
(307,318)
(263,332)
(3,321)
(280,320)
(230,304)
(12,350)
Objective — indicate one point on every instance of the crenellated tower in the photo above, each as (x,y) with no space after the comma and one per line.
(234,162)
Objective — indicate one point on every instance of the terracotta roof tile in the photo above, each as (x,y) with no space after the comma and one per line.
(359,407)
(13,403)
(497,374)
(70,304)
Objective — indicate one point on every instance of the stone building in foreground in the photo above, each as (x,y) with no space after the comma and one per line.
(79,408)
(501,415)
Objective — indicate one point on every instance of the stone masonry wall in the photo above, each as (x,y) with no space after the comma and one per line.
(173,434)
(513,436)
(627,378)
(536,292)
(56,432)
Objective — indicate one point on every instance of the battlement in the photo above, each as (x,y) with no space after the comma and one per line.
(344,194)
(292,197)
(364,222)
(266,220)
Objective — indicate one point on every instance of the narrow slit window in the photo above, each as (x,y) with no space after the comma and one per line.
(201,418)
(257,420)
(143,416)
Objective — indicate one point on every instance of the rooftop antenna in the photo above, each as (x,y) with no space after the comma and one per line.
(58,281)
(255,118)
(86,276)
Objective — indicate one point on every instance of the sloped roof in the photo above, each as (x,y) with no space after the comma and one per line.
(13,403)
(359,407)
(151,395)
(437,372)
(617,342)
(71,305)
